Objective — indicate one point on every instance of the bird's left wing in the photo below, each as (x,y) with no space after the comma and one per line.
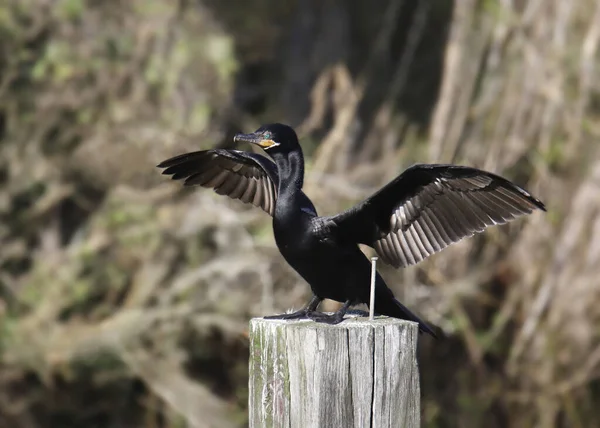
(249,177)
(429,207)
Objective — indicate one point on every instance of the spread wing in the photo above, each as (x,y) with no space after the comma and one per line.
(249,177)
(429,207)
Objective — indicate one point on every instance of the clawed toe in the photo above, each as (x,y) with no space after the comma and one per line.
(288,316)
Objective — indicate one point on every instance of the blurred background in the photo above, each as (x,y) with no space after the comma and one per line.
(125,299)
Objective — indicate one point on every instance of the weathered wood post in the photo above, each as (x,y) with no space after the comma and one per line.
(358,373)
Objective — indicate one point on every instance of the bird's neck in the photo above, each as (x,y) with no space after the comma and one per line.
(291,172)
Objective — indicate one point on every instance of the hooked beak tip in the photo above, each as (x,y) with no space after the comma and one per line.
(245,138)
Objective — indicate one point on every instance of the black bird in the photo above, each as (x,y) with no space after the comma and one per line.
(420,212)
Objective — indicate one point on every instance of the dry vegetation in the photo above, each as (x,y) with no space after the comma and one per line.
(124,300)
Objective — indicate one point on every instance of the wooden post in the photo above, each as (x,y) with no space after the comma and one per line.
(358,373)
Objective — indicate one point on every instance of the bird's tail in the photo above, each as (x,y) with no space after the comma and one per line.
(393,308)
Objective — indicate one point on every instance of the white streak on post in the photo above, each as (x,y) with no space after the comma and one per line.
(373,276)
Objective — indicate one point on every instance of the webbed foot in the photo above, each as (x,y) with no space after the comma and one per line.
(331,319)
(357,313)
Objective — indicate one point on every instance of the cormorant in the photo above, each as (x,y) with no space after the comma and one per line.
(420,212)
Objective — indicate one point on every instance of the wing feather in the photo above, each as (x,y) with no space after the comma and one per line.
(245,176)
(429,207)
(239,189)
(248,194)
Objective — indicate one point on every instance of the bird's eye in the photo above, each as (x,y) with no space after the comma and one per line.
(267,135)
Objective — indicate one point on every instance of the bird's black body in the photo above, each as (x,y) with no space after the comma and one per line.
(422,211)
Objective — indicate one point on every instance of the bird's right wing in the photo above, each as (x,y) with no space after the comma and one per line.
(249,177)
(429,207)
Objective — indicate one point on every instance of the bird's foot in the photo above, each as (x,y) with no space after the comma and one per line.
(302,313)
(357,313)
(321,317)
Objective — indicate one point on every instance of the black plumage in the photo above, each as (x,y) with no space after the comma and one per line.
(248,177)
(419,213)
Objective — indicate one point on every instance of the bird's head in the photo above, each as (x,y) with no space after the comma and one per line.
(273,138)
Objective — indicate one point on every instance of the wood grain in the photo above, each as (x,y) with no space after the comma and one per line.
(358,373)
